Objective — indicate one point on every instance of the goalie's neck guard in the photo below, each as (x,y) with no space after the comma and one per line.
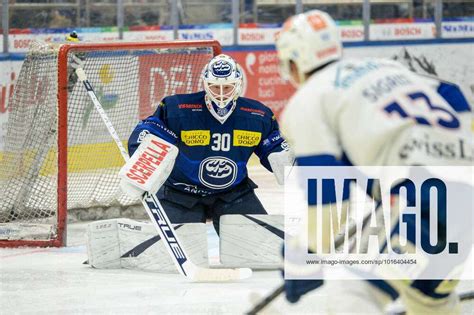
(221,114)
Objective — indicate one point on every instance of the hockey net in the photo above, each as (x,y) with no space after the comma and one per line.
(57,153)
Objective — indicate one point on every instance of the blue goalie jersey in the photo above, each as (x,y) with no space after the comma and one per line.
(212,156)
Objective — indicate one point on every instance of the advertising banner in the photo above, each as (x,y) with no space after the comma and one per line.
(257,36)
(148,35)
(461,29)
(8,75)
(223,35)
(263,81)
(266,36)
(351,33)
(21,42)
(248,34)
(402,31)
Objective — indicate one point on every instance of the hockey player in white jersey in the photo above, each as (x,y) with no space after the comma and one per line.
(371,112)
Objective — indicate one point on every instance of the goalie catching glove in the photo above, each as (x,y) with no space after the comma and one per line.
(149,167)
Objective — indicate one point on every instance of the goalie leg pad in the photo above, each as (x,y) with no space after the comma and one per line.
(125,243)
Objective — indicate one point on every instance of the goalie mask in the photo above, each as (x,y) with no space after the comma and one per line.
(222,80)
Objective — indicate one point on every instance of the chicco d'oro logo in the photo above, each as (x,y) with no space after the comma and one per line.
(217,172)
(221,69)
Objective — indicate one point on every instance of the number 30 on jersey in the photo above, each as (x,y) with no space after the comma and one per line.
(220,142)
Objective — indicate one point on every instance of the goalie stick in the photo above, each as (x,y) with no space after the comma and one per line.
(159,218)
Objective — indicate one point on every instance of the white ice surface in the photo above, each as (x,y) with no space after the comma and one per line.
(54,281)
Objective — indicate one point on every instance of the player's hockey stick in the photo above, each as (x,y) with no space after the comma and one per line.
(280,289)
(160,219)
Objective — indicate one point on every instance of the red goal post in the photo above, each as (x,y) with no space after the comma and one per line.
(57,154)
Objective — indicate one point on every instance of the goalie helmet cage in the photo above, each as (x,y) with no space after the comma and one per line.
(57,153)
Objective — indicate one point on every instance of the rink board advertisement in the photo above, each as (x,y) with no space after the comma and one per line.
(451,62)
(263,80)
(8,74)
(248,34)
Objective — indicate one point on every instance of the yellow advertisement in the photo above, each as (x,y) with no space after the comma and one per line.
(245,138)
(196,137)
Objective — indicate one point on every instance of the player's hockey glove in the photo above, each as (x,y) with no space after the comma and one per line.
(295,289)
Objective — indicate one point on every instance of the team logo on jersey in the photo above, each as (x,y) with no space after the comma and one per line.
(285,146)
(245,138)
(217,172)
(142,135)
(221,69)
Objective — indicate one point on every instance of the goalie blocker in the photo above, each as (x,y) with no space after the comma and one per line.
(148,167)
